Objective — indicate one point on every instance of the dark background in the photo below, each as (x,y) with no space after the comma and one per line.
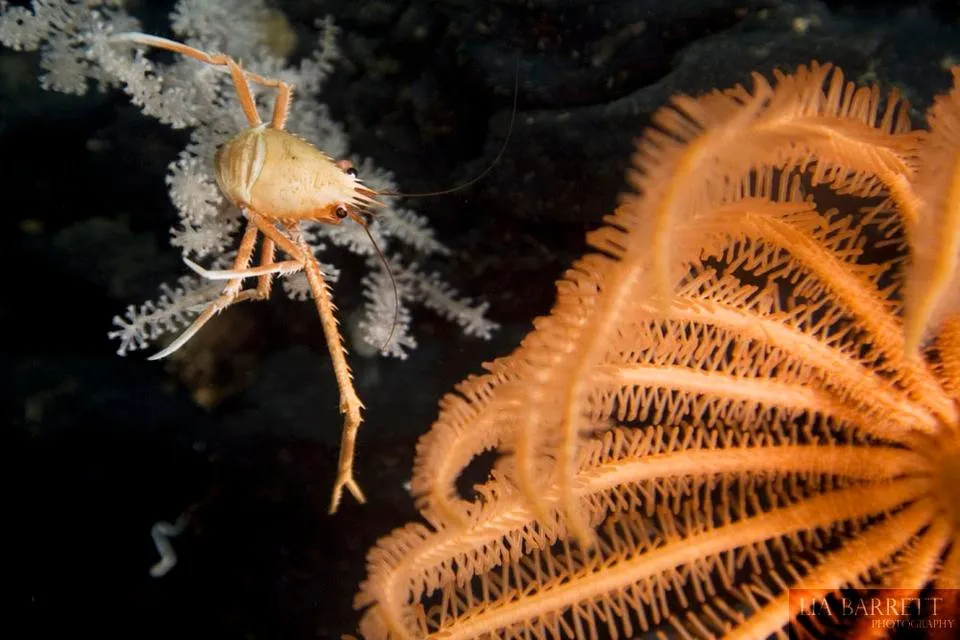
(242,430)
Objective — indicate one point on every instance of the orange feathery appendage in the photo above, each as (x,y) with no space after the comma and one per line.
(933,285)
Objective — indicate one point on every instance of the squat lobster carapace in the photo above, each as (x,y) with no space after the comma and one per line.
(269,169)
(278,180)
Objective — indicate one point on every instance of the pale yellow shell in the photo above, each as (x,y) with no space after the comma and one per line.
(284,177)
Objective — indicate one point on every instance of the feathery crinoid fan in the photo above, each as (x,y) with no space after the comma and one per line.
(753,387)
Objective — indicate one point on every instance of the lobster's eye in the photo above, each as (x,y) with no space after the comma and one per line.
(350,171)
(341,212)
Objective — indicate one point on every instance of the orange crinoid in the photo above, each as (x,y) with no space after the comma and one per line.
(753,387)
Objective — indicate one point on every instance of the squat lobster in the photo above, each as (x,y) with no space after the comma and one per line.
(275,178)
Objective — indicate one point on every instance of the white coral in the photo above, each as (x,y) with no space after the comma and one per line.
(73,38)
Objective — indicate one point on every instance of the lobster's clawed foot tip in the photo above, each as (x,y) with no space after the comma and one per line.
(200,271)
(351,485)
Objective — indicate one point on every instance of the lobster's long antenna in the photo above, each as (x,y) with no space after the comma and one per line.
(496,160)
(386,265)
